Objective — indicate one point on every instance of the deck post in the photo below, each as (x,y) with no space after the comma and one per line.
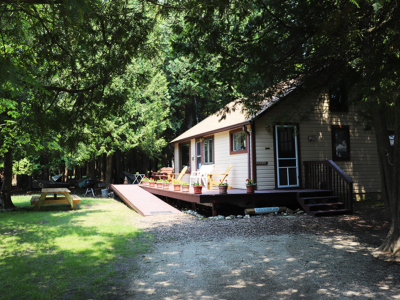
(214,209)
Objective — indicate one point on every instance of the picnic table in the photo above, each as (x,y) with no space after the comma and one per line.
(59,196)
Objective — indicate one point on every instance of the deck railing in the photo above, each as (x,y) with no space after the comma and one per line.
(326,175)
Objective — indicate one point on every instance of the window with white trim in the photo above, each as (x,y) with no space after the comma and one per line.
(208,151)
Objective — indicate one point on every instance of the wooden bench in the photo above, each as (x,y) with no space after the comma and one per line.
(59,200)
(163,174)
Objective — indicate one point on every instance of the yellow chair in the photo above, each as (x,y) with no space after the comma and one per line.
(179,179)
(211,182)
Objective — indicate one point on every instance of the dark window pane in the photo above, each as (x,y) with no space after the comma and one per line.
(292,176)
(287,163)
(210,151)
(283,176)
(239,141)
(185,157)
(341,147)
(338,99)
(286,143)
(198,148)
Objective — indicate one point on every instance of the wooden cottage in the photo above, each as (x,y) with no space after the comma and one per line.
(314,142)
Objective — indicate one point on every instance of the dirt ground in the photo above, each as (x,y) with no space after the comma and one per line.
(265,258)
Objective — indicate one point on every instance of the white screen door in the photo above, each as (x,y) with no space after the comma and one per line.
(287,156)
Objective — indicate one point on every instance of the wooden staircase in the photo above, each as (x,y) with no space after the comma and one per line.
(322,203)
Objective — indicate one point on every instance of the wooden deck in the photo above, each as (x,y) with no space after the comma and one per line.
(143,202)
(261,198)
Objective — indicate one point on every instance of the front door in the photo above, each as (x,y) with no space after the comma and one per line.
(287,156)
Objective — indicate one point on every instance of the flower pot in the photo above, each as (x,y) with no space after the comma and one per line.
(159,185)
(152,183)
(166,186)
(185,188)
(223,189)
(177,187)
(250,189)
(145,183)
(197,189)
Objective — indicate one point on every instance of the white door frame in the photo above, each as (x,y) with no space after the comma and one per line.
(278,168)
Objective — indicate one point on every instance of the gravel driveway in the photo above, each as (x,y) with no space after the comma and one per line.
(270,257)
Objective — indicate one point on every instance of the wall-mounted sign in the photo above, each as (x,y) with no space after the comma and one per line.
(261,163)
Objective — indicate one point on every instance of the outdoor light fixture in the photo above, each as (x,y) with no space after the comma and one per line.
(391,139)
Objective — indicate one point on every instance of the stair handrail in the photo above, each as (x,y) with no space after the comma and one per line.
(346,194)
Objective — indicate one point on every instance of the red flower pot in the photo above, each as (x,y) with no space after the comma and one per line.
(223,189)
(197,189)
(159,185)
(152,183)
(185,188)
(166,186)
(250,189)
(177,187)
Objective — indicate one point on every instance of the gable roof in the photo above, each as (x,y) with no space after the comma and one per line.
(234,118)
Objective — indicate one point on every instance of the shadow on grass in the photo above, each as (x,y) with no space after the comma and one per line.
(58,253)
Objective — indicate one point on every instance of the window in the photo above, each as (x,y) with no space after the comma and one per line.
(198,155)
(340,142)
(338,99)
(208,151)
(237,141)
(184,156)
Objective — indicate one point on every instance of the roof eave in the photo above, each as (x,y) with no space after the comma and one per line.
(212,132)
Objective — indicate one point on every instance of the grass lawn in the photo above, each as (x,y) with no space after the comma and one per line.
(58,253)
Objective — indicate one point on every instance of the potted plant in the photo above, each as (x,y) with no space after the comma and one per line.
(185,187)
(159,183)
(152,183)
(250,185)
(166,185)
(223,187)
(197,187)
(177,186)
(145,181)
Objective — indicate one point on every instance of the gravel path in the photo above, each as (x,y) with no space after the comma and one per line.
(296,257)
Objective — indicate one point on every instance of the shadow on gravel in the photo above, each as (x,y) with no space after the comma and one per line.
(268,258)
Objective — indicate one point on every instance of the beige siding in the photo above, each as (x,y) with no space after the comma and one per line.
(363,167)
(239,171)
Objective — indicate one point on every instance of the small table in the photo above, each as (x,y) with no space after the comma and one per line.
(66,198)
(138,178)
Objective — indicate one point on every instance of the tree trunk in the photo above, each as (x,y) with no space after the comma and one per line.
(103,167)
(109,169)
(92,169)
(117,177)
(6,188)
(384,149)
(65,173)
(391,243)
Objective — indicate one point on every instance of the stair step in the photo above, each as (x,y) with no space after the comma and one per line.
(318,200)
(320,197)
(321,213)
(321,206)
(312,194)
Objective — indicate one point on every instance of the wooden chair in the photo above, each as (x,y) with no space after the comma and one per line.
(181,174)
(163,174)
(211,182)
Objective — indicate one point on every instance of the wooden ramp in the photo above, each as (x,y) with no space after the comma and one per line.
(143,202)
